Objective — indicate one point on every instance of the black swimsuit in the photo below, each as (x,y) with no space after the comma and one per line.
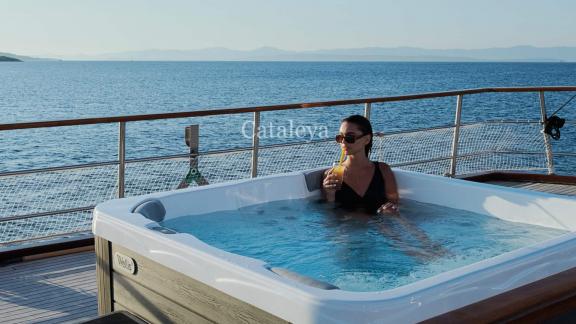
(374,197)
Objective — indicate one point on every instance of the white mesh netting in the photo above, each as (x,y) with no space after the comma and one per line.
(483,147)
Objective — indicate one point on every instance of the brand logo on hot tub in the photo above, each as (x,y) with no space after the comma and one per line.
(124,263)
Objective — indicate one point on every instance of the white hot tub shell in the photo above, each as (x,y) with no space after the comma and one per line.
(293,300)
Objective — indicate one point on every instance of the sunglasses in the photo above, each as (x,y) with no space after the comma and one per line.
(350,139)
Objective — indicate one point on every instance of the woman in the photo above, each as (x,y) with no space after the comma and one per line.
(371,187)
(365,184)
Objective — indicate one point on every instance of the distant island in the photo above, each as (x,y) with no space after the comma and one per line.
(374,54)
(9,59)
(367,54)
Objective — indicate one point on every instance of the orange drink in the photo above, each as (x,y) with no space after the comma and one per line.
(338,171)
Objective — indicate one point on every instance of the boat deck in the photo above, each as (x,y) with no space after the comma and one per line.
(63,289)
(54,290)
(555,188)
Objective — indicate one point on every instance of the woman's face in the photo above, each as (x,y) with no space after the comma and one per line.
(361,139)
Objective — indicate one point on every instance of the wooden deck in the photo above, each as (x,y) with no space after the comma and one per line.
(555,188)
(53,290)
(555,184)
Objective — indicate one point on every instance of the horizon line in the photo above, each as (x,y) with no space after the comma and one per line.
(24,53)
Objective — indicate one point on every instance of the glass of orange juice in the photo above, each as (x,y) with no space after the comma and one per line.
(338,171)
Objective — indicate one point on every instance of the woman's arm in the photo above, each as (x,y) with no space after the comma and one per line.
(390,183)
(391,206)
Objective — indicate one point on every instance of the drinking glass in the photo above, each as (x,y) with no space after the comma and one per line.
(338,170)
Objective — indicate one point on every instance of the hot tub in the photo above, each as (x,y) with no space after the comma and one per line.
(164,276)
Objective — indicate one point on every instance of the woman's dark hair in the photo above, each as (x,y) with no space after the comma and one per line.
(365,127)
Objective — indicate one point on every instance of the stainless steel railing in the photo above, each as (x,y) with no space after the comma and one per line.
(453,158)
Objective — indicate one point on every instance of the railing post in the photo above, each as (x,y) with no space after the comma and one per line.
(547,145)
(121,158)
(367,110)
(455,137)
(255,144)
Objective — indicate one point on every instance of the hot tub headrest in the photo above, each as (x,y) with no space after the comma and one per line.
(314,179)
(153,209)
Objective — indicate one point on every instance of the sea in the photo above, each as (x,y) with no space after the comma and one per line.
(42,91)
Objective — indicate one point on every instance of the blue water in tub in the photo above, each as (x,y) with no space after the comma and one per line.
(359,252)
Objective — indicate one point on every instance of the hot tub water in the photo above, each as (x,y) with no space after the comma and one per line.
(359,252)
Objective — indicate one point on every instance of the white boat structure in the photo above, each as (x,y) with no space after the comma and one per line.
(162,277)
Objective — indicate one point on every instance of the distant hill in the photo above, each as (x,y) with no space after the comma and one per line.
(507,54)
(25,58)
(9,59)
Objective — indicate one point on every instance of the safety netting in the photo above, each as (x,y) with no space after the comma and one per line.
(48,203)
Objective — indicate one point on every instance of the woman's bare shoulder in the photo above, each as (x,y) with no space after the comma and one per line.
(385,170)
(383,166)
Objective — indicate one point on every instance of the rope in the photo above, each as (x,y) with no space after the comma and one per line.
(564,105)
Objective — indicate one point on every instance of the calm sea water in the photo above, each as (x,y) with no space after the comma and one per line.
(361,252)
(33,91)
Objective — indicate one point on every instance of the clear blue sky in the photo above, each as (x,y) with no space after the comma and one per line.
(70,27)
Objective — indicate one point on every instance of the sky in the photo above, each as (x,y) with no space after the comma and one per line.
(84,27)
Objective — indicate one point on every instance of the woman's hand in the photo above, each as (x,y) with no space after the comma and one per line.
(331,182)
(390,208)
(330,185)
